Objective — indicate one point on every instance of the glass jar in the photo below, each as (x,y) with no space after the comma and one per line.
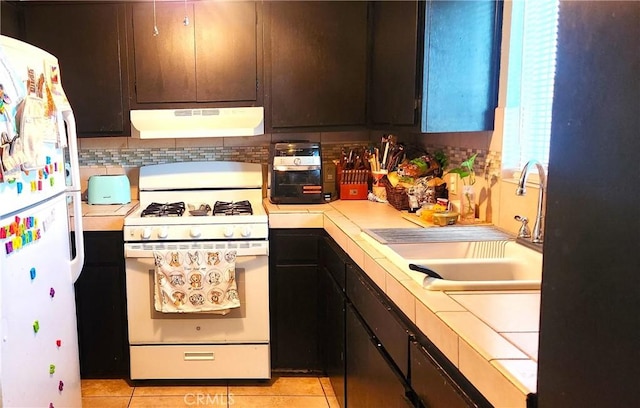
(468,203)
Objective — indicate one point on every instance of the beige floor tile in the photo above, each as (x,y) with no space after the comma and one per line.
(187,400)
(106,388)
(278,386)
(333,402)
(326,387)
(277,401)
(105,402)
(142,391)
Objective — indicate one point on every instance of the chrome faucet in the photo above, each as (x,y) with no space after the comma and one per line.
(537,234)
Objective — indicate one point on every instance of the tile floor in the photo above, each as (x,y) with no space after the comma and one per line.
(280,391)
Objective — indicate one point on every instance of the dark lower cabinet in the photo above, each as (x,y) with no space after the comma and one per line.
(295,344)
(295,300)
(434,387)
(334,262)
(328,316)
(371,380)
(372,353)
(380,317)
(101,307)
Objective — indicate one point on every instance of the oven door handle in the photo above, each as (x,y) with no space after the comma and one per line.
(243,248)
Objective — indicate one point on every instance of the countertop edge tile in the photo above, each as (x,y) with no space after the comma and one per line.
(488,379)
(482,338)
(438,332)
(522,373)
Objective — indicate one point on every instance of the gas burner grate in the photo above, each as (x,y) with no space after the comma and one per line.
(164,210)
(232,208)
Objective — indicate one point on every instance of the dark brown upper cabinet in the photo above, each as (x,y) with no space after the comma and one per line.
(316,64)
(89,41)
(395,55)
(461,65)
(434,65)
(213,59)
(10,19)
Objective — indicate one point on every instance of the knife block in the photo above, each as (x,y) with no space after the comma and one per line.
(353,184)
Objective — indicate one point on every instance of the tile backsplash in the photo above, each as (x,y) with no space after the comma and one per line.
(130,152)
(126,155)
(136,157)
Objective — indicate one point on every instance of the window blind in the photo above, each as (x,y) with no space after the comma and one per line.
(528,113)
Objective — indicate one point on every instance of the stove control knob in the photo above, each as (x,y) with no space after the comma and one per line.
(163,232)
(245,232)
(146,233)
(228,231)
(195,232)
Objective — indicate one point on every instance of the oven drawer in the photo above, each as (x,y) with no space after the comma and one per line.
(224,361)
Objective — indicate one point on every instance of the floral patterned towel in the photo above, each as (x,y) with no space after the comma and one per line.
(195,281)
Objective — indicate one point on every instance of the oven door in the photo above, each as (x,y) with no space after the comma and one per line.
(297,185)
(247,324)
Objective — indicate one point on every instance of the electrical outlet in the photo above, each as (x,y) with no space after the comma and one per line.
(453,184)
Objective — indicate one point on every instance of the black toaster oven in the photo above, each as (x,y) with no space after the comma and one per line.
(296,175)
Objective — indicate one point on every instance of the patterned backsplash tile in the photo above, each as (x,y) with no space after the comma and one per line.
(141,156)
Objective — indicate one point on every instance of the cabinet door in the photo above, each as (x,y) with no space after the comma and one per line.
(226,51)
(164,63)
(333,335)
(101,308)
(88,40)
(295,340)
(294,247)
(461,65)
(394,56)
(10,19)
(371,382)
(335,260)
(379,317)
(434,387)
(317,61)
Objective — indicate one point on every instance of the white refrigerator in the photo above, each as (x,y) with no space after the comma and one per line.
(39,362)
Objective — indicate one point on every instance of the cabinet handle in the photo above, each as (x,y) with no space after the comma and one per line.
(199,356)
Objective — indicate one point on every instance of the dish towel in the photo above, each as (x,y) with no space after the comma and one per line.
(195,281)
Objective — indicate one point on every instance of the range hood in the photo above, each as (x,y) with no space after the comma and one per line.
(186,123)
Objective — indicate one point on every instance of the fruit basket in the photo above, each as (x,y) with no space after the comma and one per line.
(396,196)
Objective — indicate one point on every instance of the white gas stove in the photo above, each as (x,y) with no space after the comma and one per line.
(198,201)
(213,209)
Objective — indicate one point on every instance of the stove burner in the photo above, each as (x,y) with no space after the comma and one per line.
(228,208)
(164,210)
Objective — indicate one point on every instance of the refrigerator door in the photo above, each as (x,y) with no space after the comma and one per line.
(39,346)
(32,124)
(37,137)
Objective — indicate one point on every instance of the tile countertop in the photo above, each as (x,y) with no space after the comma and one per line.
(104,217)
(492,337)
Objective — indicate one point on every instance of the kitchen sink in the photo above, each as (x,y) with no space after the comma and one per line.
(467,265)
(476,274)
(449,250)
